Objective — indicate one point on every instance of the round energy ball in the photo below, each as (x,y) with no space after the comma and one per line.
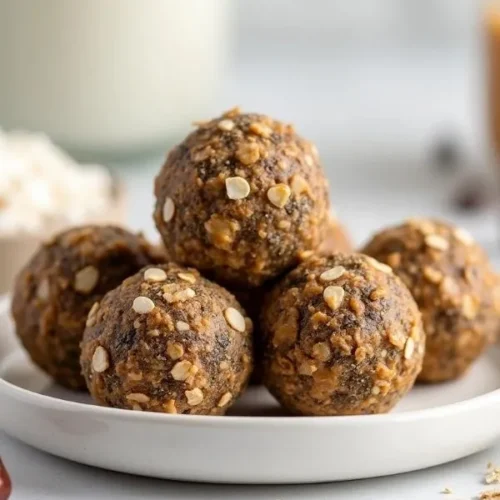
(241,198)
(55,291)
(343,336)
(167,340)
(453,284)
(335,239)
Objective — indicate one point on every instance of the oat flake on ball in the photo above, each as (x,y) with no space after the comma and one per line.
(453,284)
(343,336)
(59,287)
(241,198)
(180,344)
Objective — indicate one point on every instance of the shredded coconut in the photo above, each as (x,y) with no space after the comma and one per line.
(42,188)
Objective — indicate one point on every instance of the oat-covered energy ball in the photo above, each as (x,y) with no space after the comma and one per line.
(167,340)
(343,336)
(453,284)
(241,198)
(57,288)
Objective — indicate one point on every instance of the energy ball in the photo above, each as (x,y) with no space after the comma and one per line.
(343,336)
(55,291)
(241,198)
(453,284)
(335,239)
(167,340)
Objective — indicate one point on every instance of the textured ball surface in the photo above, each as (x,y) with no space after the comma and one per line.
(335,239)
(55,291)
(167,340)
(241,198)
(343,336)
(453,284)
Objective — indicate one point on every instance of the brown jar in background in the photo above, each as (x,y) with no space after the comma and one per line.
(492,22)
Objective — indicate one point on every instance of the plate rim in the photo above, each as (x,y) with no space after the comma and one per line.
(43,400)
(54,403)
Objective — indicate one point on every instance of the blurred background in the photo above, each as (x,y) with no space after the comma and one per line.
(393,92)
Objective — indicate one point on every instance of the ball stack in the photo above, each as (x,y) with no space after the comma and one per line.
(261,274)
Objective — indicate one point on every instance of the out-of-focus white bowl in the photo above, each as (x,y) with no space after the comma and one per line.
(15,251)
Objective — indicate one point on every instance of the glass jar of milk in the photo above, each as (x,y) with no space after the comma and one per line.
(111,76)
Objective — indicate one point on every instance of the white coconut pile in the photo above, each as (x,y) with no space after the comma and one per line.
(42,188)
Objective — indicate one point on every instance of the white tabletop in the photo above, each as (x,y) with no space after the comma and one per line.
(38,476)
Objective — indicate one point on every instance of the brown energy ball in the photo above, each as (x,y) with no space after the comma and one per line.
(452,282)
(343,336)
(335,239)
(241,198)
(56,289)
(167,340)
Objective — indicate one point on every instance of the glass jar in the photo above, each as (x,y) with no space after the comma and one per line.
(114,76)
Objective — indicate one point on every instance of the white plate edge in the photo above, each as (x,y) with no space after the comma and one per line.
(43,400)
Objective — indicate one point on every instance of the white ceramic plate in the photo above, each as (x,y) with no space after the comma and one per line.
(256,443)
